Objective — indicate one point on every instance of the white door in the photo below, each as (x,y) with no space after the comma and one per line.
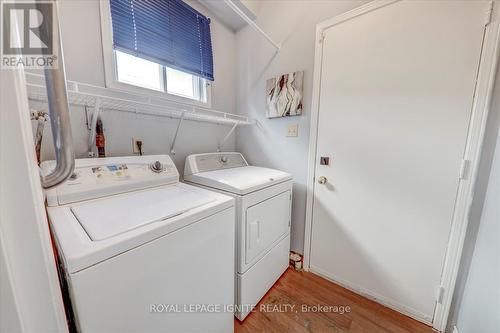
(266,223)
(396,94)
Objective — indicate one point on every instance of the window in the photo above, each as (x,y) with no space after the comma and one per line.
(163,46)
(139,72)
(147,74)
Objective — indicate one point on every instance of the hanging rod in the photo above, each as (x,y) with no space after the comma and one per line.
(250,22)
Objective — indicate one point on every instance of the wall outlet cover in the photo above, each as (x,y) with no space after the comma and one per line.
(135,148)
(292,130)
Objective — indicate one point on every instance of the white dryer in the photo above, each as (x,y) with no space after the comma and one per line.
(263,211)
(138,247)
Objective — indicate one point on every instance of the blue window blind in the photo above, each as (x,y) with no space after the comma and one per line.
(168,32)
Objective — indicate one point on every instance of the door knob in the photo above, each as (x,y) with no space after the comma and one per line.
(322,180)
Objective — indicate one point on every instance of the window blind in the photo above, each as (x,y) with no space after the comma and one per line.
(168,32)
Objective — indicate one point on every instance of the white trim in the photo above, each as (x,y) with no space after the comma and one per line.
(477,127)
(13,247)
(313,137)
(349,15)
(472,153)
(387,302)
(109,63)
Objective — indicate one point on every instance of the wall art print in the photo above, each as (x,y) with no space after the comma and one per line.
(284,95)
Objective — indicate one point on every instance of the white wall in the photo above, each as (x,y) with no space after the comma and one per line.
(81,33)
(292,23)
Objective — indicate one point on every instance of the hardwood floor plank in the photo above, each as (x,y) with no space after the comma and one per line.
(295,289)
(312,295)
(385,314)
(359,313)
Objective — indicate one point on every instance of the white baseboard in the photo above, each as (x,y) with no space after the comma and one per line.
(401,308)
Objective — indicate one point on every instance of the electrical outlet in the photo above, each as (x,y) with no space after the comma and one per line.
(135,147)
(292,130)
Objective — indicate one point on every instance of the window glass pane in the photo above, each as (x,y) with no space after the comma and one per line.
(180,83)
(138,71)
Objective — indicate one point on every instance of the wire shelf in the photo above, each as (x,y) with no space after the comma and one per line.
(82,94)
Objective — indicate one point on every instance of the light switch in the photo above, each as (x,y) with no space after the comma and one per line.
(292,130)
(324,160)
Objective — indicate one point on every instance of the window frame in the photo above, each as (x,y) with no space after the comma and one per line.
(111,74)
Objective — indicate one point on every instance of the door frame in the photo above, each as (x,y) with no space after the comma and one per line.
(25,239)
(472,153)
(33,296)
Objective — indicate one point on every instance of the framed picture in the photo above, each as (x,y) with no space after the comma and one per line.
(284,95)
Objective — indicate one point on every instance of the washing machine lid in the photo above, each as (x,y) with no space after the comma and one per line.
(242,180)
(111,216)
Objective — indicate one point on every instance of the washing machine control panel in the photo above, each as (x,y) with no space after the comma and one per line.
(99,177)
(213,161)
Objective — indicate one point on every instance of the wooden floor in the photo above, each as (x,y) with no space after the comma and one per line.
(298,288)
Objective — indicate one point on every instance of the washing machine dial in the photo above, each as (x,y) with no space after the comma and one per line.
(156,167)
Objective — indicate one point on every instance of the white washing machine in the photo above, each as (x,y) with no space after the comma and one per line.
(141,251)
(263,211)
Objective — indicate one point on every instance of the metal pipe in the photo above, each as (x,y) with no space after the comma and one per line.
(251,23)
(55,81)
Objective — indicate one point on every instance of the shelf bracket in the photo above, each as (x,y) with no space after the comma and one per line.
(251,23)
(93,124)
(227,136)
(172,146)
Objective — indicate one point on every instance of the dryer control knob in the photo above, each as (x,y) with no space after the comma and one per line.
(156,167)
(223,159)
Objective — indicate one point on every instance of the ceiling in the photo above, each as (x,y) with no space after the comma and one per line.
(227,16)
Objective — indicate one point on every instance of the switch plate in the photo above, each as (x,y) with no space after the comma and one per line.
(135,148)
(292,130)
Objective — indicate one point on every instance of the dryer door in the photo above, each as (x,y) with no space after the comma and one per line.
(266,223)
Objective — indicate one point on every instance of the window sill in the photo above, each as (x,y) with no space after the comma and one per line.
(126,87)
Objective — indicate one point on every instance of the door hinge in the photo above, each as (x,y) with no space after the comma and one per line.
(439,294)
(464,169)
(489,13)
